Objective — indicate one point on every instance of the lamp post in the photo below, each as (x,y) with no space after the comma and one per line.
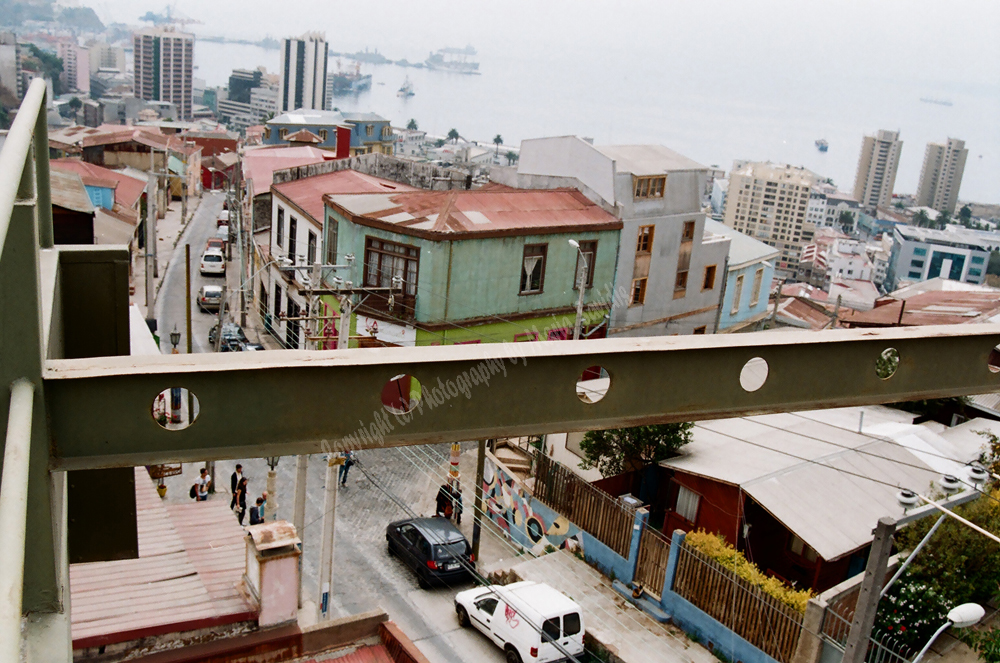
(271,505)
(582,285)
(175,338)
(963,616)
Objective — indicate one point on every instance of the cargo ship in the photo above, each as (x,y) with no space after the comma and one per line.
(350,82)
(822,145)
(458,60)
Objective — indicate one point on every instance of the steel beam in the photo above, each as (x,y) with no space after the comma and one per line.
(293,402)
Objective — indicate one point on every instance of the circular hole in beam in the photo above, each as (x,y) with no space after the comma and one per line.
(401,394)
(175,408)
(593,384)
(754,374)
(887,363)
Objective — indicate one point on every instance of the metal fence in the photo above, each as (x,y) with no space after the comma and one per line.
(758,618)
(882,647)
(602,516)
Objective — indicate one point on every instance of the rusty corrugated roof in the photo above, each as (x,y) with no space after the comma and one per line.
(940,307)
(128,189)
(307,193)
(69,192)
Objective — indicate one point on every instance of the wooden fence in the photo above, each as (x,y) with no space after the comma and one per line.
(761,620)
(602,516)
(654,552)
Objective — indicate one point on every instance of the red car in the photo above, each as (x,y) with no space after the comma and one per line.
(215,243)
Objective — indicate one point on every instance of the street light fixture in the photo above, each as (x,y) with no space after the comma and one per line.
(175,338)
(582,285)
(963,616)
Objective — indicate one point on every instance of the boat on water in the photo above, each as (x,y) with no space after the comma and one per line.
(407,89)
(939,102)
(458,60)
(822,145)
(350,81)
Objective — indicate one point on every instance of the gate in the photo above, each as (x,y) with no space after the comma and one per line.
(651,571)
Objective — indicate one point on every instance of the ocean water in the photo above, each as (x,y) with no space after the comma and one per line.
(716,80)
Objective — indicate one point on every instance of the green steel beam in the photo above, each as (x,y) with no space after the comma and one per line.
(291,402)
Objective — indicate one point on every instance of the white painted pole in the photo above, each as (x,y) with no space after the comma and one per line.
(299,510)
(271,507)
(14,517)
(326,553)
(344,330)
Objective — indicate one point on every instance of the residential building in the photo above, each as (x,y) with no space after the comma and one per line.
(116,197)
(409,142)
(164,66)
(848,259)
(264,102)
(72,210)
(346,134)
(241,82)
(769,202)
(76,67)
(235,114)
(919,254)
(10,65)
(105,57)
(669,274)
(941,175)
(749,275)
(303,73)
(877,166)
(472,266)
(258,166)
(720,188)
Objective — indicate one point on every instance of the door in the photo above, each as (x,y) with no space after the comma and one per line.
(482,615)
(408,536)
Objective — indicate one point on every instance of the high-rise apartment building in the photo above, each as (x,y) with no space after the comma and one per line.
(303,73)
(877,169)
(164,67)
(106,57)
(10,64)
(941,175)
(770,202)
(76,67)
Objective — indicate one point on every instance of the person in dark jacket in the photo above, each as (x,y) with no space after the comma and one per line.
(255,515)
(239,503)
(234,480)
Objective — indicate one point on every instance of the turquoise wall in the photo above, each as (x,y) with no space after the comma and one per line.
(745,311)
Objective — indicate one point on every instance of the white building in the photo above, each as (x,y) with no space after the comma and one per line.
(409,142)
(264,101)
(718,198)
(75,75)
(877,166)
(303,72)
(941,175)
(848,259)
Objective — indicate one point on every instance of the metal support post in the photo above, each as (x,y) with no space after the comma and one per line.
(582,285)
(43,187)
(187,290)
(871,586)
(912,556)
(344,330)
(299,509)
(150,241)
(222,317)
(333,464)
(14,517)
(478,509)
(156,207)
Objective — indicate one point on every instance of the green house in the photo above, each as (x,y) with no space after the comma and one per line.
(492,265)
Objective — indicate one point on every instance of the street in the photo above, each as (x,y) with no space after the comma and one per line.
(365,577)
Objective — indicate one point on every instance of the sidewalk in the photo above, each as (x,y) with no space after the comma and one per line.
(168,233)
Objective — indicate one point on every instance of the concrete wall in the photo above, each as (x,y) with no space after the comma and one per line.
(745,311)
(404,171)
(571,157)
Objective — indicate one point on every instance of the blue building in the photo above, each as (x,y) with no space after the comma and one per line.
(956,254)
(367,132)
(749,275)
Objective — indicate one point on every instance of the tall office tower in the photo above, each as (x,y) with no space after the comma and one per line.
(303,73)
(769,202)
(164,67)
(241,81)
(941,176)
(877,169)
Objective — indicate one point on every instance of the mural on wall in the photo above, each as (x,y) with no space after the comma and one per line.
(526,520)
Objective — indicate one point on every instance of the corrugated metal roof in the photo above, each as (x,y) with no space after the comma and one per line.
(127,191)
(743,249)
(938,307)
(68,192)
(816,474)
(434,214)
(259,164)
(307,193)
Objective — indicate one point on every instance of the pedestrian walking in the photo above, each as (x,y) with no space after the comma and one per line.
(345,468)
(255,512)
(239,503)
(234,480)
(203,483)
(456,500)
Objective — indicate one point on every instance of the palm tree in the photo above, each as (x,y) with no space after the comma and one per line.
(921,220)
(498,141)
(511,157)
(453,135)
(411,125)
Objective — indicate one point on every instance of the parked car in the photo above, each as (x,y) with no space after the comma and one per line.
(433,547)
(223,219)
(215,243)
(222,233)
(213,262)
(525,619)
(233,338)
(210,297)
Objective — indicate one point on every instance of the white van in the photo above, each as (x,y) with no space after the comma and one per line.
(524,619)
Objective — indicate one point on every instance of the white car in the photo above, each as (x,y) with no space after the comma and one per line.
(213,262)
(525,619)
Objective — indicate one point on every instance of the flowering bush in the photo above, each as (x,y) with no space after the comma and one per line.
(910,613)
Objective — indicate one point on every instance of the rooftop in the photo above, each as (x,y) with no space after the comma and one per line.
(310,117)
(128,190)
(110,134)
(307,193)
(743,249)
(939,307)
(960,237)
(647,159)
(493,213)
(259,164)
(69,192)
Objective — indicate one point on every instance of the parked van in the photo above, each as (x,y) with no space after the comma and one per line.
(525,619)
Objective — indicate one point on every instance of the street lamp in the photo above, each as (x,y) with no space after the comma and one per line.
(963,616)
(581,284)
(175,338)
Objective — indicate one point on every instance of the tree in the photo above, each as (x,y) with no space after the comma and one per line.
(899,204)
(411,125)
(439,142)
(49,64)
(625,449)
(453,135)
(994,265)
(965,213)
(498,141)
(921,220)
(944,218)
(846,221)
(512,157)
(75,104)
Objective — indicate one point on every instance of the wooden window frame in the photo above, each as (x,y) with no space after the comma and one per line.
(376,246)
(701,330)
(737,294)
(758,282)
(644,240)
(370,130)
(311,240)
(648,186)
(525,280)
(283,133)
(638,295)
(688,233)
(681,283)
(706,284)
(279,231)
(323,135)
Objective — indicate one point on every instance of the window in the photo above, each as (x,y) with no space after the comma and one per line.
(913,275)
(571,624)
(385,260)
(682,281)
(560,334)
(978,260)
(737,294)
(644,243)
(323,135)
(283,134)
(917,263)
(292,327)
(370,130)
(975,272)
(688,231)
(687,504)
(589,251)
(551,630)
(525,337)
(311,248)
(638,292)
(331,240)
(700,330)
(533,269)
(758,280)
(918,251)
(279,234)
(799,547)
(267,133)
(277,301)
(650,187)
(292,232)
(709,281)
(486,606)
(386,131)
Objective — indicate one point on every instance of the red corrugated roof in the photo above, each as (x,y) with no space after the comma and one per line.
(930,308)
(307,193)
(128,189)
(260,164)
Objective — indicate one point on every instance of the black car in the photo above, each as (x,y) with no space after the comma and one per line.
(233,338)
(433,547)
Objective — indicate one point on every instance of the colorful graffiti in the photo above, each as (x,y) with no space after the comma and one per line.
(526,520)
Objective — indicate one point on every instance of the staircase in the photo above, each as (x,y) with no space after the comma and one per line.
(512,452)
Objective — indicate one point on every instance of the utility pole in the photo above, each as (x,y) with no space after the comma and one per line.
(187,315)
(150,242)
(478,509)
(154,207)
(871,589)
(333,464)
(299,509)
(218,325)
(582,285)
(344,329)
